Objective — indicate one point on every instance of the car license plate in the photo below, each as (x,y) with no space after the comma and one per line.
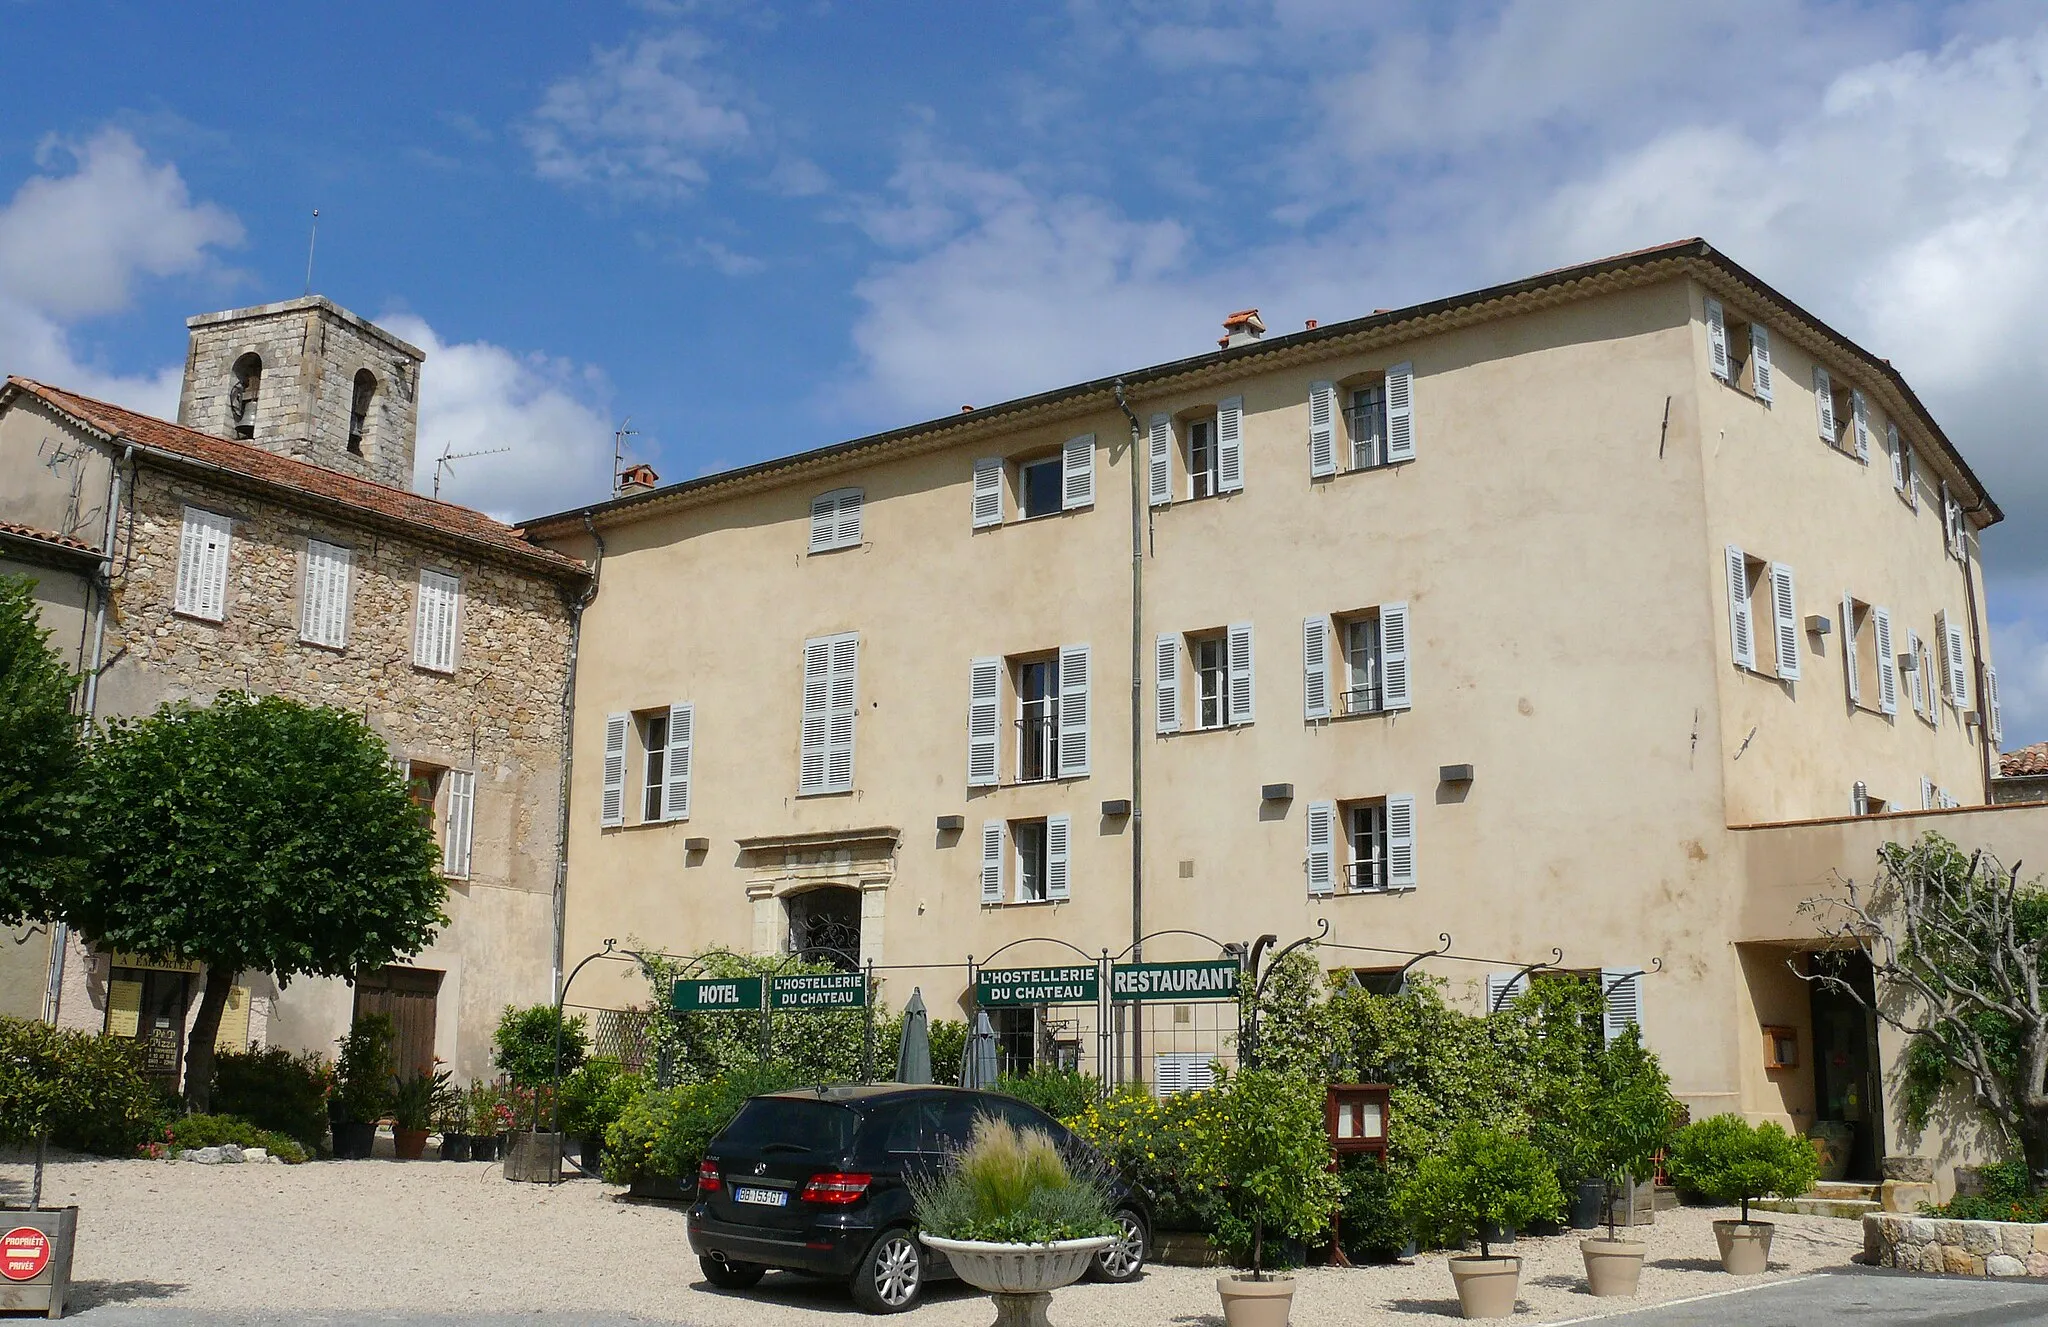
(761,1197)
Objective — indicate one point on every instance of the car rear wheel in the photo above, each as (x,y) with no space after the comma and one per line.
(1125,1259)
(891,1277)
(732,1275)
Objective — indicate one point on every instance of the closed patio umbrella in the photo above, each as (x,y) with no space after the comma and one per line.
(914,1052)
(978,1062)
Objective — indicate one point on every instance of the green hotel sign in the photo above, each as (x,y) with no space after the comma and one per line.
(819,990)
(702,994)
(998,988)
(1210,979)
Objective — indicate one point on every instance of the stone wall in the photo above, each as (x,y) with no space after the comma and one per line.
(1955,1248)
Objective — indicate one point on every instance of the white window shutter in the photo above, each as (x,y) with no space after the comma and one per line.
(434,628)
(191,551)
(458,831)
(1914,652)
(323,605)
(1824,403)
(1322,429)
(1077,473)
(817,714)
(1175,1073)
(1401,841)
(1322,848)
(1401,413)
(1504,988)
(1166,683)
(1717,339)
(992,861)
(1958,662)
(1926,793)
(675,793)
(1760,359)
(1073,734)
(1741,622)
(835,519)
(1912,475)
(845,702)
(1849,647)
(1394,672)
(1230,445)
(612,805)
(1315,667)
(1239,650)
(1993,719)
(1622,1002)
(1785,618)
(988,491)
(1860,413)
(1887,665)
(1159,459)
(203,565)
(984,722)
(1895,448)
(850,503)
(1059,837)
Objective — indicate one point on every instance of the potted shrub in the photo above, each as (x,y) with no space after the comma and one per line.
(1728,1160)
(363,1073)
(39,1084)
(451,1119)
(593,1098)
(1625,1123)
(1269,1155)
(1013,1219)
(532,1048)
(412,1111)
(487,1117)
(1482,1179)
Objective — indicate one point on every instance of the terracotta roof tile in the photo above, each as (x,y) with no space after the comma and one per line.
(63,541)
(445,518)
(2025,762)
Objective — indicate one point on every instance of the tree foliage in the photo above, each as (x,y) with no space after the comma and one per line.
(1267,1153)
(524,1046)
(1729,1160)
(1483,1177)
(258,834)
(41,795)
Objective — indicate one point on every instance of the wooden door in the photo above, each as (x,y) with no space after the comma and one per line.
(407,996)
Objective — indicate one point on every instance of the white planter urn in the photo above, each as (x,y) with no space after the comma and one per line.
(1021,1277)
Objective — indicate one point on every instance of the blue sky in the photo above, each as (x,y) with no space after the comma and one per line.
(757,228)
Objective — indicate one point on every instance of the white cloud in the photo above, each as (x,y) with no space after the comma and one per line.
(475,396)
(639,121)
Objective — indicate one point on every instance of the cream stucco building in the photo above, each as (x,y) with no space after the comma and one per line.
(1531,616)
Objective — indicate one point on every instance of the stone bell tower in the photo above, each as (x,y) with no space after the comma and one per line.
(307,379)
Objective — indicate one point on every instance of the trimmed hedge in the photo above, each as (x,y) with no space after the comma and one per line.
(86,1088)
(663,1132)
(275,1090)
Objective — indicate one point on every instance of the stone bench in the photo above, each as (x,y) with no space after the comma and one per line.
(1957,1248)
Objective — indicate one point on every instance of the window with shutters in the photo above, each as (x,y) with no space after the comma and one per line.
(1379,844)
(1763,611)
(458,824)
(437,621)
(1366,419)
(1221,665)
(203,547)
(1739,351)
(1843,417)
(1203,460)
(835,520)
(323,596)
(1031,856)
(1867,660)
(1905,480)
(1027,839)
(1046,695)
(825,760)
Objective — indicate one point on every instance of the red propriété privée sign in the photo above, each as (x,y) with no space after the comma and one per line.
(24,1253)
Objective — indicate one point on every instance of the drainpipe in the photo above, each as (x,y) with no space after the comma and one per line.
(576,608)
(103,591)
(1977,657)
(1137,721)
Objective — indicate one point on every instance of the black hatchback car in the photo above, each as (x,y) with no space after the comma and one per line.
(816,1181)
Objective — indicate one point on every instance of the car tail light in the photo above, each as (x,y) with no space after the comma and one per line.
(836,1187)
(707,1176)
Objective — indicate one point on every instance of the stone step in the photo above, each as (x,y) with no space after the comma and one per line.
(1848,1209)
(1852,1189)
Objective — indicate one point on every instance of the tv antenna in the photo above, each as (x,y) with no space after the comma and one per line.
(619,437)
(311,240)
(447,461)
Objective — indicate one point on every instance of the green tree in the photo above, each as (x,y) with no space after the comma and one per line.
(1267,1151)
(1482,1178)
(40,794)
(258,834)
(1727,1159)
(1628,1116)
(524,1046)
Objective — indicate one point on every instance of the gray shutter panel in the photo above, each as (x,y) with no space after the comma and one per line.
(1394,671)
(1230,445)
(191,552)
(675,796)
(1895,448)
(1887,665)
(1401,841)
(1741,635)
(845,703)
(1315,667)
(824,522)
(1926,793)
(1622,1005)
(458,832)
(1239,662)
(1912,475)
(1166,683)
(1958,663)
(984,722)
(1859,411)
(1914,652)
(1717,339)
(1504,988)
(1849,647)
(817,715)
(1077,473)
(1159,460)
(1785,619)
(1058,843)
(1073,733)
(992,861)
(1322,848)
(1401,413)
(339,567)
(1994,720)
(847,532)
(612,805)
(1322,429)
(988,491)
(1824,403)
(1760,359)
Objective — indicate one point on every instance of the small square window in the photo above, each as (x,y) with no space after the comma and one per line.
(1039,485)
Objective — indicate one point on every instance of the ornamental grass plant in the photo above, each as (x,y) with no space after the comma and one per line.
(1012,1186)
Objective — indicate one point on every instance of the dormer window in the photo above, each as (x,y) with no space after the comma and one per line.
(359,409)
(243,390)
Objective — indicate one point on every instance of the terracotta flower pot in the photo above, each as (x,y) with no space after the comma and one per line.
(1249,1303)
(1486,1286)
(1613,1266)
(1745,1246)
(409,1144)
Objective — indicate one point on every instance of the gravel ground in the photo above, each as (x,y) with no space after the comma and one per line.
(433,1238)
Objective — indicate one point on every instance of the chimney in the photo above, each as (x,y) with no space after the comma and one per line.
(637,479)
(1241,329)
